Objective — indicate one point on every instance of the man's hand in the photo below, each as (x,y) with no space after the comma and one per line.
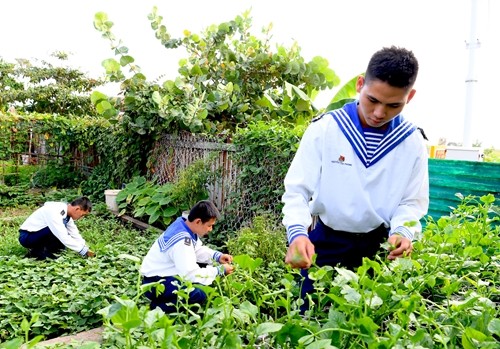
(400,247)
(225,259)
(228,268)
(300,253)
(90,254)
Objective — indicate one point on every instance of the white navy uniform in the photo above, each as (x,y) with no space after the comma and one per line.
(54,215)
(356,179)
(176,253)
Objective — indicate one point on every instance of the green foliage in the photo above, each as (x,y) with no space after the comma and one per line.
(408,303)
(56,175)
(12,174)
(264,151)
(345,95)
(229,78)
(444,297)
(25,196)
(17,195)
(161,204)
(491,155)
(148,201)
(76,142)
(45,88)
(67,292)
(191,184)
(98,181)
(61,136)
(260,240)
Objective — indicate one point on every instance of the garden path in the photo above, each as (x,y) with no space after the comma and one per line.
(94,335)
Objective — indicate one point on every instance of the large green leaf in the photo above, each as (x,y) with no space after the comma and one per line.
(346,92)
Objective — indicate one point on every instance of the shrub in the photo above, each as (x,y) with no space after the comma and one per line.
(60,176)
(262,239)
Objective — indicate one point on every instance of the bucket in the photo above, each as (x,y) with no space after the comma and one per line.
(111,199)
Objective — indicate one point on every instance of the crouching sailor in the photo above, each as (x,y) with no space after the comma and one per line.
(175,255)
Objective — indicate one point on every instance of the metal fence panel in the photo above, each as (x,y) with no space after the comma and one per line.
(449,177)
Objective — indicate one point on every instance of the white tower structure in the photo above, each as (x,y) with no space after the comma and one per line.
(472,45)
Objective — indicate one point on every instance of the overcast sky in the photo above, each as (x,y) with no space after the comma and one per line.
(347,33)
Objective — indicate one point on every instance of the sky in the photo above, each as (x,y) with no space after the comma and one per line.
(346,33)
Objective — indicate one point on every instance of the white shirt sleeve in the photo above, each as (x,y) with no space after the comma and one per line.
(184,258)
(415,202)
(301,181)
(70,237)
(77,239)
(205,254)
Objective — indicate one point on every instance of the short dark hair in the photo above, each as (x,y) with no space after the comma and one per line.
(205,210)
(82,202)
(394,65)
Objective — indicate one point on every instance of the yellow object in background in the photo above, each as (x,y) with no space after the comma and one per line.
(437,152)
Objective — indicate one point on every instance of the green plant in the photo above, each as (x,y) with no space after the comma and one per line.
(229,78)
(97,182)
(14,174)
(66,292)
(45,88)
(264,151)
(71,140)
(57,175)
(161,204)
(491,155)
(191,184)
(260,240)
(149,200)
(12,196)
(442,298)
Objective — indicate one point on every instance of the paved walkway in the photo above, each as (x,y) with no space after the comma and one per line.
(94,335)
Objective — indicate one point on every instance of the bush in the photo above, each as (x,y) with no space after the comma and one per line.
(16,174)
(159,205)
(60,176)
(262,239)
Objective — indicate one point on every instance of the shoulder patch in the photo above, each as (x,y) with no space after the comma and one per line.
(187,241)
(63,213)
(317,118)
(423,133)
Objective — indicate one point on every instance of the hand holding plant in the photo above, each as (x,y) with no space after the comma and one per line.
(399,246)
(228,269)
(300,253)
(226,259)
(90,254)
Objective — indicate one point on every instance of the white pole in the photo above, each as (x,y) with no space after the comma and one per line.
(472,45)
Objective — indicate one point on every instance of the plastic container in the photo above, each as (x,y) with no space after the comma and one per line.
(111,199)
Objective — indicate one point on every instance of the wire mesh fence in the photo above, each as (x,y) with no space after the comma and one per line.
(239,196)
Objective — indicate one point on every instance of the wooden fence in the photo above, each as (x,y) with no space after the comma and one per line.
(174,153)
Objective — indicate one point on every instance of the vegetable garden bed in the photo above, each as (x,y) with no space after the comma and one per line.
(446,296)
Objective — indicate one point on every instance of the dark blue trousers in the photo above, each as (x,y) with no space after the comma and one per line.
(196,296)
(340,248)
(41,244)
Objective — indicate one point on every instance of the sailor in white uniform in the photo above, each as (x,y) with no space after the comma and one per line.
(175,255)
(51,228)
(362,170)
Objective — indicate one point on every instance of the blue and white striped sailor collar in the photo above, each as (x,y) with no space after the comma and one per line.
(398,129)
(176,232)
